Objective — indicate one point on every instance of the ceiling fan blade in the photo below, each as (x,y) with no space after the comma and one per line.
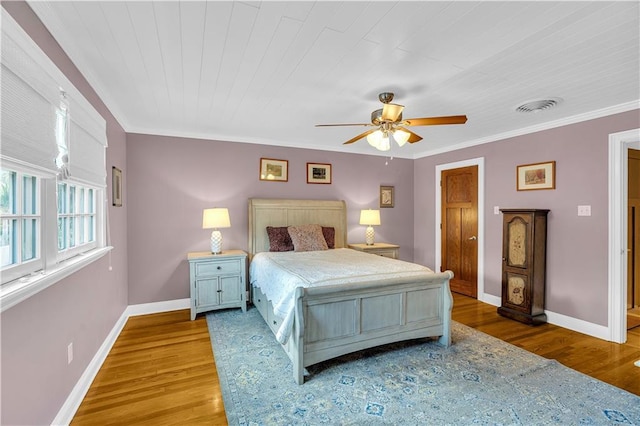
(434,121)
(413,137)
(391,112)
(360,136)
(347,124)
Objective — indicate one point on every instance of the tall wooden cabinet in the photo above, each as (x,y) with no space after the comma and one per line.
(524,243)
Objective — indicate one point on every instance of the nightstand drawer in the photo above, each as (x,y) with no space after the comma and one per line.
(218,267)
(385,253)
(379,249)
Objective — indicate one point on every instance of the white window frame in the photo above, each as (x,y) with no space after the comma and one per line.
(22,281)
(78,246)
(22,267)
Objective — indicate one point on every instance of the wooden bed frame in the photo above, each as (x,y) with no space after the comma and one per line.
(335,320)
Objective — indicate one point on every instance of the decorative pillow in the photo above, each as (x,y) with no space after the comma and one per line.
(329,233)
(279,239)
(307,238)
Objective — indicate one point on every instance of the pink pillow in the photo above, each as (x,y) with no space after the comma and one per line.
(307,238)
(279,239)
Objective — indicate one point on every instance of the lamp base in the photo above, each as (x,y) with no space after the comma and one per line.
(370,233)
(216,242)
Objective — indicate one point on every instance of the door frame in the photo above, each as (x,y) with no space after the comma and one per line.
(619,144)
(438,206)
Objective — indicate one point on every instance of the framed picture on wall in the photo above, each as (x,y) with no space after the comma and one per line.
(536,176)
(274,170)
(116,186)
(386,196)
(318,173)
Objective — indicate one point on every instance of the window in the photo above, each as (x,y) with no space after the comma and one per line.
(27,244)
(52,175)
(76,218)
(20,230)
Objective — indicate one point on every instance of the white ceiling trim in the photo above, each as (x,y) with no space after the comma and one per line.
(630,106)
(592,115)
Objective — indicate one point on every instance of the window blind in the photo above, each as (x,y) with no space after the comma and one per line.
(28,111)
(31,87)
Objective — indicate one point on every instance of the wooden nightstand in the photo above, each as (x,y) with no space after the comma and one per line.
(217,281)
(381,249)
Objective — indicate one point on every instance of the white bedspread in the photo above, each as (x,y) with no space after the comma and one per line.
(278,274)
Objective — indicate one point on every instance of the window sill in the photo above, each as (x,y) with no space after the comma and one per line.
(21,289)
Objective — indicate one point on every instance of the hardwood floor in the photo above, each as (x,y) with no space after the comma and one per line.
(610,362)
(161,370)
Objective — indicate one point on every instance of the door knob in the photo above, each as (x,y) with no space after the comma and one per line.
(473,238)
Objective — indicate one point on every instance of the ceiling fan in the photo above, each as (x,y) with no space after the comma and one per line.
(389,125)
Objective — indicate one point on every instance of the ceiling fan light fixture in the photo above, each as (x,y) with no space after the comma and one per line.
(538,105)
(401,137)
(385,144)
(374,138)
(380,140)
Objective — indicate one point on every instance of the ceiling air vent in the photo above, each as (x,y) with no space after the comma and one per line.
(538,105)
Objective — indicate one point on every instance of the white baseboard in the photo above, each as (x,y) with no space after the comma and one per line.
(490,299)
(584,327)
(157,307)
(71,405)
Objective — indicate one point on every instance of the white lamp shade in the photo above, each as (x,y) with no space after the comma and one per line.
(215,218)
(370,217)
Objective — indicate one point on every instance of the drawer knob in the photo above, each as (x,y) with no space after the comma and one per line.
(274,322)
(219,291)
(219,267)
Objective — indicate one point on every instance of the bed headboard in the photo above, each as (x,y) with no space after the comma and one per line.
(265,212)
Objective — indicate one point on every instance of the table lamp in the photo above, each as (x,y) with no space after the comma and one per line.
(213,219)
(369,218)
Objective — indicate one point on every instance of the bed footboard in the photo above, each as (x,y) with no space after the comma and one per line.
(335,320)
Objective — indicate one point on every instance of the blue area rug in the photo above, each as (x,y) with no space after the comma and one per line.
(478,380)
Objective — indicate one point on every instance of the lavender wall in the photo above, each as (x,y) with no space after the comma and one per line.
(576,246)
(171,180)
(82,308)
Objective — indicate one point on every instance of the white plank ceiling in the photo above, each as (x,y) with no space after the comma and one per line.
(267,72)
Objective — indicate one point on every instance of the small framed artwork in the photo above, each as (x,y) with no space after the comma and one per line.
(116,186)
(386,196)
(274,170)
(536,176)
(318,173)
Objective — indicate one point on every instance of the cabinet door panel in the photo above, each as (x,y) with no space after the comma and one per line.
(207,292)
(231,290)
(518,237)
(517,294)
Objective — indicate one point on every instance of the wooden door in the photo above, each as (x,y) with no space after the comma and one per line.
(633,243)
(460,228)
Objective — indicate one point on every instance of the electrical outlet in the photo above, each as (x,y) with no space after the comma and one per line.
(70,353)
(584,210)
(496,209)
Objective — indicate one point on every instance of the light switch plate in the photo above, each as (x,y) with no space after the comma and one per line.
(584,210)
